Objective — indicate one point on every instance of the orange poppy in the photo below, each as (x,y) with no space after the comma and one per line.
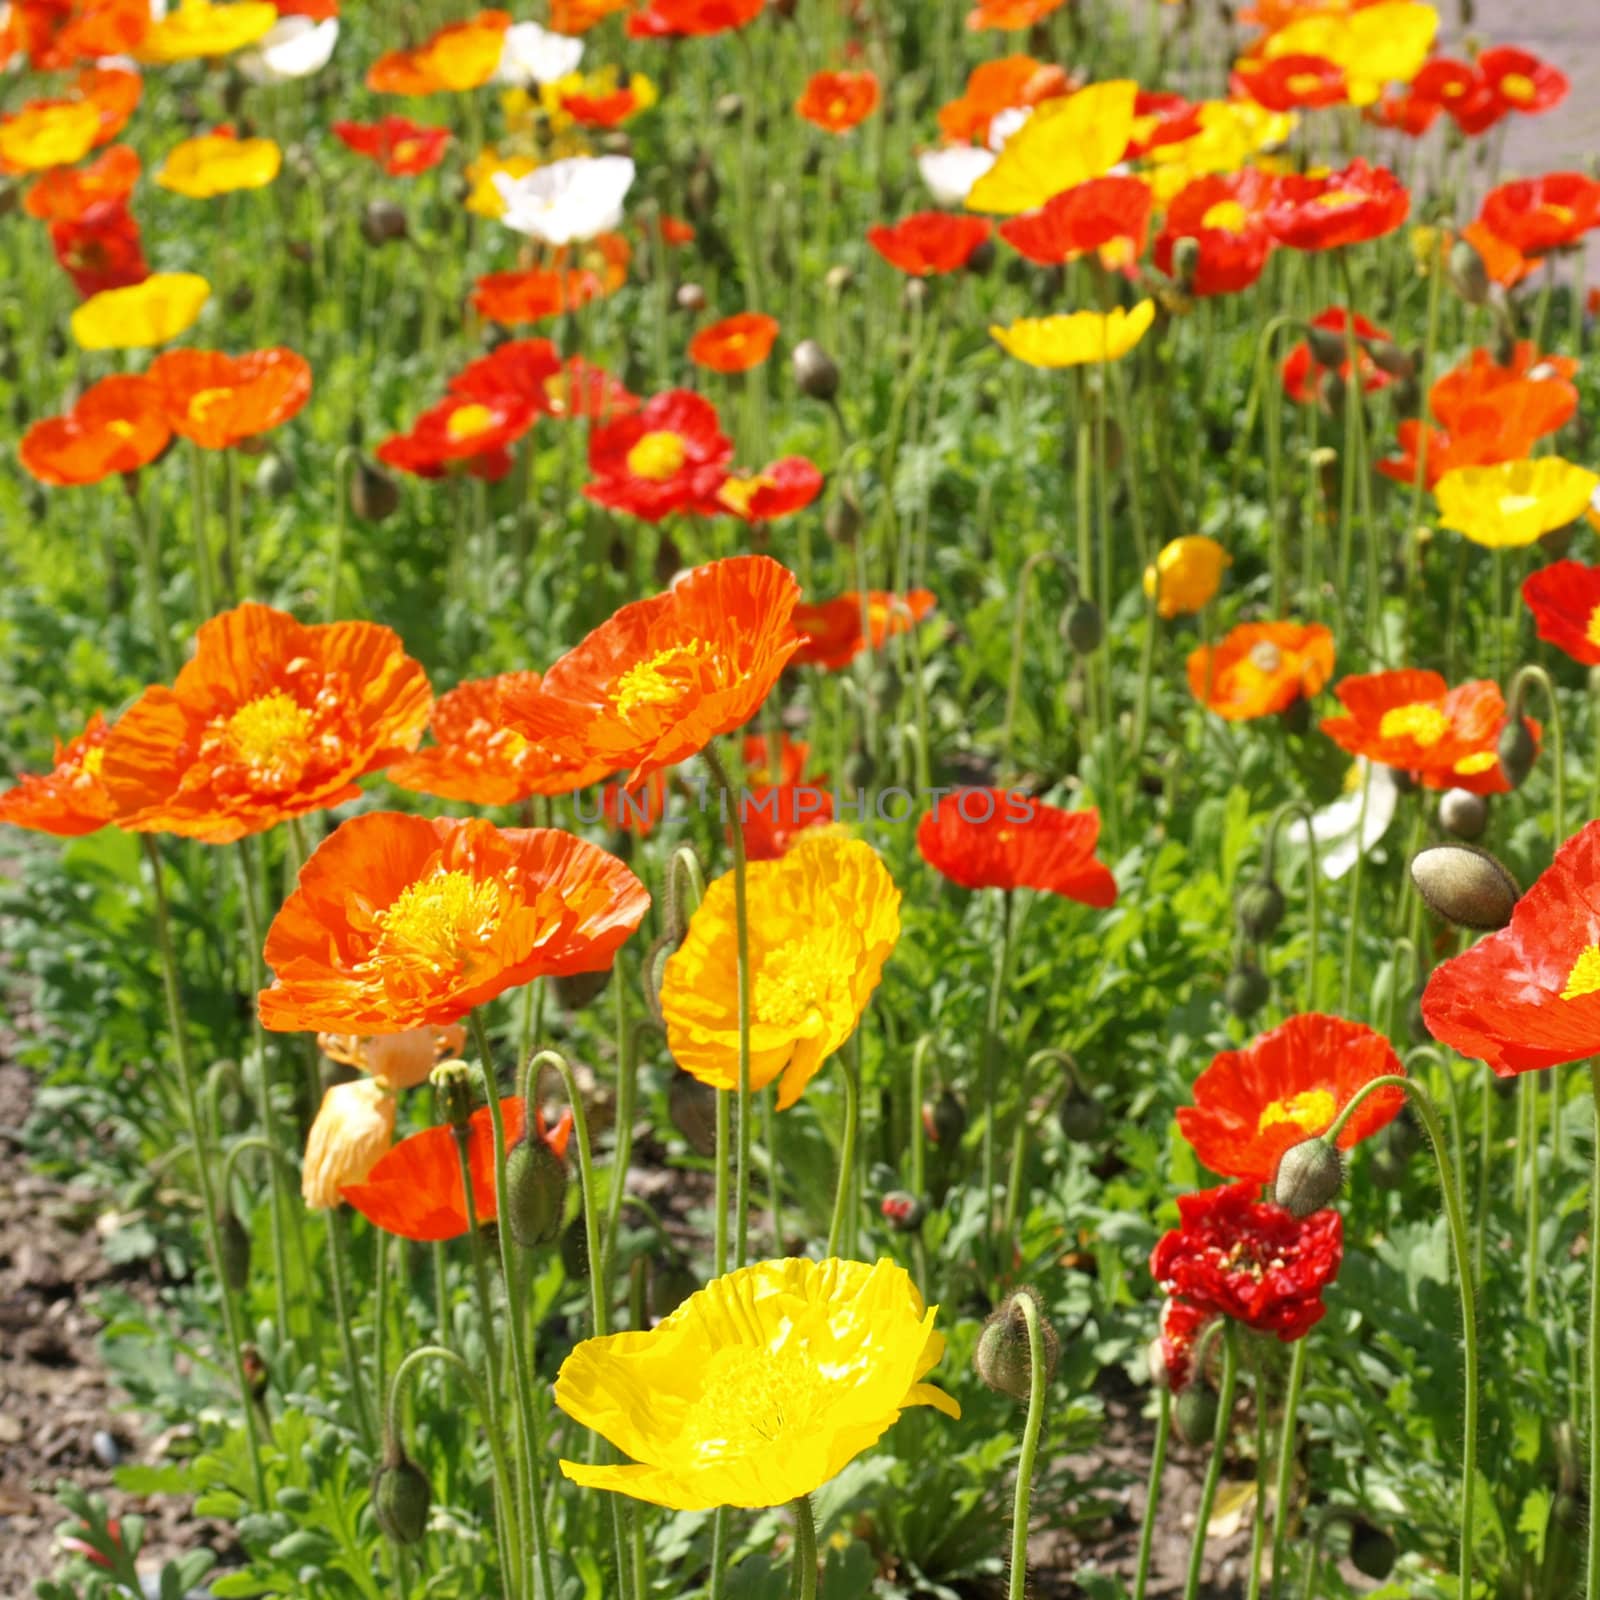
(1253,1105)
(1109,216)
(70,799)
(659,680)
(569,281)
(118,425)
(56,34)
(836,102)
(461,56)
(834,630)
(401,922)
(1012,15)
(101,250)
(637,812)
(996,86)
(930,243)
(219,401)
(681,19)
(735,344)
(271,719)
(415,1189)
(403,148)
(1291,82)
(999,839)
(1505,264)
(1339,208)
(579,16)
(1260,668)
(476,759)
(71,194)
(1538,214)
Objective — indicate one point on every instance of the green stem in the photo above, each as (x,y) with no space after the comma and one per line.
(849,1068)
(991,1051)
(1592,1571)
(1219,1449)
(1258,1528)
(150,565)
(1152,1496)
(1038,1378)
(805,1550)
(1286,1444)
(338,1270)
(1347,984)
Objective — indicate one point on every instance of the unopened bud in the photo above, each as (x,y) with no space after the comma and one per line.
(1372,1549)
(1195,1413)
(690,297)
(1463,813)
(1389,358)
(1082,1117)
(233,1246)
(1465,886)
(946,1120)
(274,476)
(844,519)
(1185,262)
(1329,347)
(1004,1357)
(1261,909)
(814,371)
(536,1192)
(902,1210)
(1310,1175)
(729,107)
(1246,990)
(1469,274)
(452,1082)
(1333,390)
(401,1499)
(1517,750)
(838,279)
(256,1376)
(374,495)
(981,262)
(382,222)
(1083,627)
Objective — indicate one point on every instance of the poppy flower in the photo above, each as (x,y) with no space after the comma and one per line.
(532,370)
(1458,88)
(998,839)
(469,433)
(352,1131)
(579,16)
(1350,827)
(101,250)
(401,1060)
(836,102)
(1303,374)
(1528,997)
(1010,15)
(683,19)
(1375,45)
(1565,601)
(219,401)
(836,631)
(1514,503)
(73,194)
(823,920)
(1539,214)
(1185,575)
(995,86)
(48,133)
(462,56)
(117,425)
(295,47)
(664,676)
(1230,135)
(115,95)
(952,172)
(1409,113)
(778,805)
(1109,216)
(151,312)
(272,718)
(403,148)
(1223,214)
(598,99)
(1253,1105)
(533,55)
(1261,668)
(1520,81)
(670,456)
(415,1189)
(735,344)
(476,759)
(759,1388)
(401,922)
(1076,339)
(1291,83)
(1233,1256)
(1160,118)
(1341,208)
(1064,142)
(778,490)
(930,243)
(1504,263)
(514,298)
(56,35)
(70,799)
(1413,721)
(199,28)
(565,202)
(219,163)
(1181,1327)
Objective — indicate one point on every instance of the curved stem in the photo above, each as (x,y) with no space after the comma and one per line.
(1038,1377)
(1286,1441)
(1152,1494)
(849,1067)
(1219,1449)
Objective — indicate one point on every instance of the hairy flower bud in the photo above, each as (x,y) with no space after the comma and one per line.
(1465,886)
(1328,346)
(382,221)
(1246,990)
(1194,1413)
(1261,909)
(815,374)
(274,476)
(1389,358)
(233,1245)
(401,1498)
(902,1210)
(1083,627)
(1310,1175)
(690,297)
(1468,273)
(945,1120)
(1082,1117)
(374,495)
(1517,750)
(1003,1358)
(1463,813)
(452,1082)
(536,1192)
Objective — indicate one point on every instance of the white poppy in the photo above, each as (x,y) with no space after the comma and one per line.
(1005,123)
(567,200)
(294,47)
(952,169)
(535,55)
(1342,832)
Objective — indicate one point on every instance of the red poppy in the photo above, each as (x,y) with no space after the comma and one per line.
(313,10)
(999,839)
(930,243)
(1009,83)
(1160,119)
(1528,997)
(400,146)
(70,799)
(1253,1105)
(401,922)
(465,433)
(778,490)
(677,19)
(101,250)
(72,194)
(836,102)
(272,718)
(1340,208)
(1446,738)
(1261,668)
(603,110)
(1181,1327)
(735,344)
(219,401)
(1109,215)
(1460,89)
(1565,601)
(670,456)
(1235,1257)
(778,805)
(117,425)
(415,1190)
(1223,214)
(1291,82)
(1408,113)
(532,370)
(1520,81)
(1539,214)
(836,631)
(512,298)
(1011,15)
(1303,373)
(675,232)
(659,680)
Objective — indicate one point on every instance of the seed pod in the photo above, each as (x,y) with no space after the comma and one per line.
(401,1500)
(1517,751)
(1465,886)
(1083,627)
(233,1245)
(1261,909)
(1246,990)
(1003,1357)
(1372,1549)
(1463,813)
(815,374)
(902,1210)
(274,476)
(692,1107)
(1195,1413)
(1310,1175)
(1082,1117)
(374,495)
(1468,273)
(536,1192)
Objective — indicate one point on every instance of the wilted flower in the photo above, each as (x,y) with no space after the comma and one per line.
(351,1132)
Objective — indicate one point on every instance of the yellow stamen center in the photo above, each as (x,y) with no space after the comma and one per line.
(93,760)
(467,422)
(1562,214)
(657,456)
(663,680)
(1593,634)
(1518,87)
(1340,197)
(260,729)
(1585,975)
(1304,83)
(1266,656)
(1471,766)
(1421,723)
(750,1397)
(1311,1111)
(202,405)
(1228,215)
(123,430)
(797,983)
(442,922)
(737,493)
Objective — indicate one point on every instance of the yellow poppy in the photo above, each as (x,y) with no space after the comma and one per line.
(1063,142)
(216,164)
(823,919)
(145,314)
(1076,339)
(44,136)
(483,199)
(352,1131)
(759,1388)
(1189,571)
(199,28)
(1516,502)
(1380,45)
(1232,132)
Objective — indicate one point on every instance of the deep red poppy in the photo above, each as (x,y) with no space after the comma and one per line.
(1181,1327)
(1458,88)
(461,433)
(531,370)
(778,490)
(669,19)
(1408,113)
(1109,215)
(999,839)
(100,250)
(930,243)
(1303,373)
(1340,208)
(1223,214)
(670,456)
(1521,81)
(1291,82)
(1539,214)
(400,146)
(1565,601)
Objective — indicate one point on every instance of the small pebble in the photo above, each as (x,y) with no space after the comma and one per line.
(106,1449)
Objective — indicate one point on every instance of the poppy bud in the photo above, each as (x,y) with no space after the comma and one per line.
(902,1211)
(785,9)
(1195,1413)
(1083,627)
(729,107)
(401,1498)
(233,1246)
(702,192)
(274,476)
(1082,1117)
(1406,397)
(1246,990)
(452,1082)
(843,520)
(1003,1357)
(1401,1135)
(946,1120)
(575,990)
(1185,262)
(1389,358)
(1333,390)
(382,222)
(838,280)
(1310,1175)
(240,298)
(1517,750)
(536,1192)
(814,371)
(1372,1549)
(1463,813)
(1469,274)
(1328,346)
(352,1131)
(692,1108)
(374,495)
(1465,886)
(914,294)
(690,297)
(1261,909)
(981,262)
